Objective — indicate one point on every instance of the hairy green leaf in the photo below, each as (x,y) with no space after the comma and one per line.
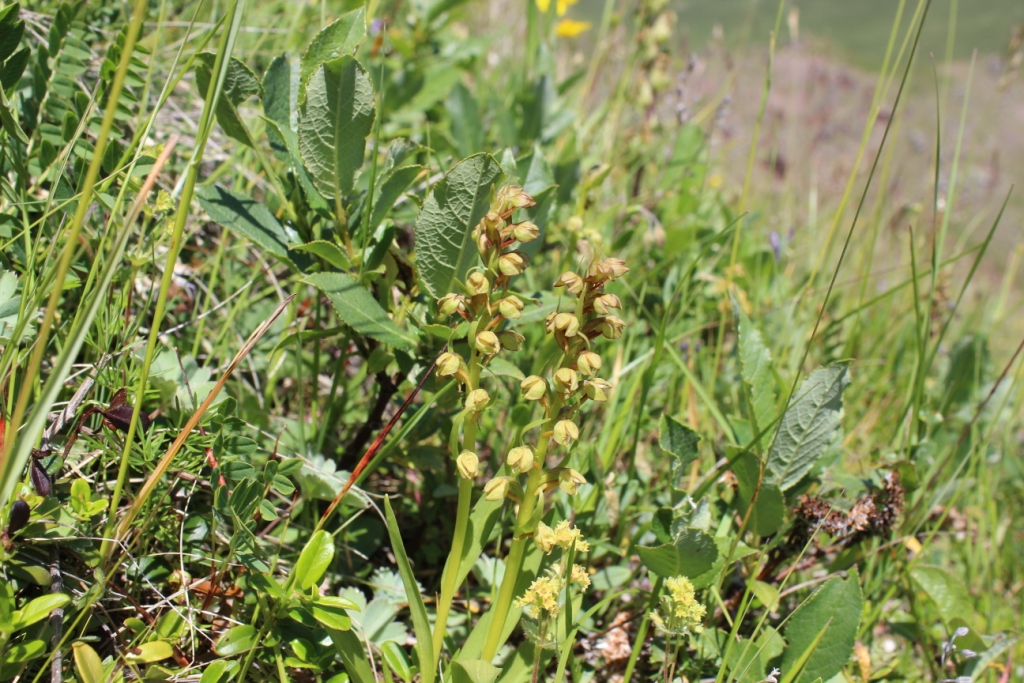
(756,363)
(828,622)
(808,425)
(359,310)
(240,83)
(338,39)
(444,250)
(946,590)
(334,122)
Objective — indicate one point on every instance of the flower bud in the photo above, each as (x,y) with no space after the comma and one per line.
(510,340)
(609,269)
(450,303)
(491,222)
(513,263)
(571,281)
(544,537)
(525,232)
(512,197)
(580,577)
(511,307)
(520,459)
(574,224)
(604,302)
(566,432)
(534,388)
(566,380)
(611,327)
(484,244)
(566,323)
(477,283)
(597,389)
(477,400)
(589,363)
(497,489)
(448,364)
(569,480)
(487,343)
(468,465)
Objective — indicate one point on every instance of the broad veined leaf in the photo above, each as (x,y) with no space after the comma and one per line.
(314,560)
(691,554)
(358,309)
(444,250)
(756,364)
(947,591)
(281,103)
(680,442)
(246,217)
(334,121)
(336,40)
(808,425)
(769,508)
(828,622)
(723,544)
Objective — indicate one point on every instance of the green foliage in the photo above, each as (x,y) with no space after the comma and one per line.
(525,303)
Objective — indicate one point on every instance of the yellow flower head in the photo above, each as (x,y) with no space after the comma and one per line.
(570,28)
(680,612)
(567,537)
(580,577)
(561,6)
(541,598)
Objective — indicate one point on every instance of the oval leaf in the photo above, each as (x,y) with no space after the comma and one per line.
(314,560)
(335,40)
(38,609)
(359,310)
(236,640)
(23,652)
(396,658)
(153,651)
(327,251)
(330,616)
(822,631)
(88,665)
(444,250)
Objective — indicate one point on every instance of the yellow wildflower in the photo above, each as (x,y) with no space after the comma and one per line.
(580,577)
(541,596)
(570,28)
(567,537)
(680,612)
(561,7)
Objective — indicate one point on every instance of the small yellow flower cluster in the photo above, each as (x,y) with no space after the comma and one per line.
(562,536)
(680,612)
(541,598)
